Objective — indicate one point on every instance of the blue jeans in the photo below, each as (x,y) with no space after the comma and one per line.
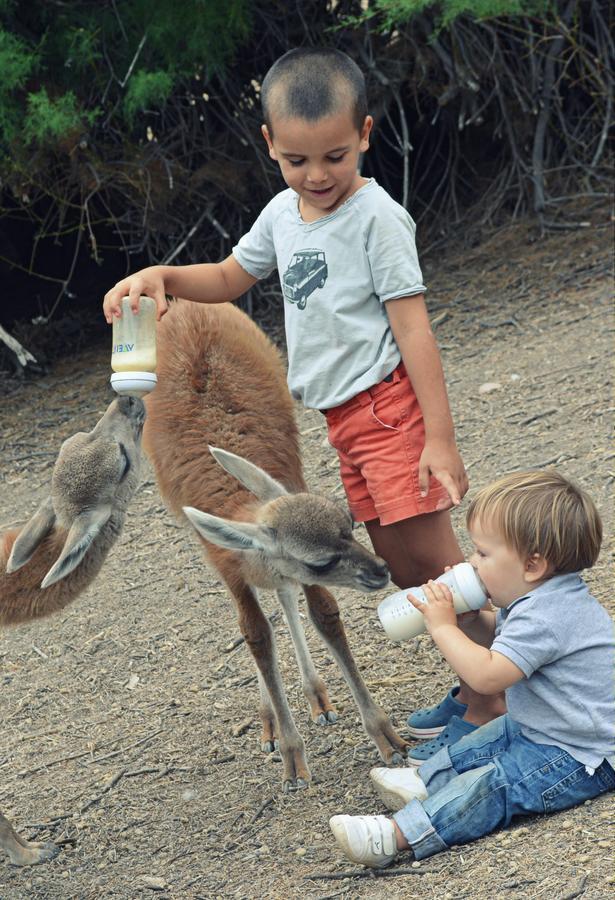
(479,783)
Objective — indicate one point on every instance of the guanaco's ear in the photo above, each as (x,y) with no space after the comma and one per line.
(255,479)
(82,533)
(31,535)
(229,534)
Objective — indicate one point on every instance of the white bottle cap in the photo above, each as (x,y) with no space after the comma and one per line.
(470,586)
(135,383)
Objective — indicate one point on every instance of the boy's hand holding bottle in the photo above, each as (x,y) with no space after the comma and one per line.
(439,609)
(464,593)
(147,282)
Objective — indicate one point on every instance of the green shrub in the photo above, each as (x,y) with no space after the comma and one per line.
(49,120)
(16,64)
(147,89)
(122,58)
(398,12)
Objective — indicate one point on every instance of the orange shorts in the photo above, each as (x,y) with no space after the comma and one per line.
(379,436)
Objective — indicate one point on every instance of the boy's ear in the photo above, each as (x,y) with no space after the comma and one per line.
(267,136)
(368,124)
(536,568)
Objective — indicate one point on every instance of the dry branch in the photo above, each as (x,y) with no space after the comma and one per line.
(362,873)
(22,356)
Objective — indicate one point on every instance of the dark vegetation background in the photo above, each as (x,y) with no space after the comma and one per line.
(129,132)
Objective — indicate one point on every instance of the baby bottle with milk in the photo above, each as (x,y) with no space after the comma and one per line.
(133,359)
(402,621)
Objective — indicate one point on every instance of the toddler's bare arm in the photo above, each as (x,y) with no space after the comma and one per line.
(484,671)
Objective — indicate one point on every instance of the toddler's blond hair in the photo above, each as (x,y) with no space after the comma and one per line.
(541,512)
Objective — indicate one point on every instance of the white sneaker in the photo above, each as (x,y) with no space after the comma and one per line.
(368,840)
(396,787)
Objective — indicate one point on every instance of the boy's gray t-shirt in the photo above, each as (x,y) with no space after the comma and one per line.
(562,640)
(336,274)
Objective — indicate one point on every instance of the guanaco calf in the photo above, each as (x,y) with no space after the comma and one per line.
(47,563)
(221,382)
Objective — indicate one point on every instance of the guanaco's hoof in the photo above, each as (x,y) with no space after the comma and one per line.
(294,784)
(36,853)
(397,759)
(328,718)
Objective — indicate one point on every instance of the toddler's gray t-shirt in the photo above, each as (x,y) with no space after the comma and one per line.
(562,640)
(336,275)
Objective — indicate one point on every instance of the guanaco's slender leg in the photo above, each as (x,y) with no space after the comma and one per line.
(314,687)
(258,634)
(325,615)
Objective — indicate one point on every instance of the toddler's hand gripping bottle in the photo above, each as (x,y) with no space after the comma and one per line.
(133,359)
(402,621)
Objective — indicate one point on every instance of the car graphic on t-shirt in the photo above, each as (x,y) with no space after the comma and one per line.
(307,271)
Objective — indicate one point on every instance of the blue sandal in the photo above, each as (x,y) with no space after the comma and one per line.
(454,731)
(428,723)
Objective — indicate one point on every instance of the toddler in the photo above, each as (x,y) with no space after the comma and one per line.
(552,654)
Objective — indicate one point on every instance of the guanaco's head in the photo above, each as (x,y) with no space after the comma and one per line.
(94,478)
(303,537)
(100,468)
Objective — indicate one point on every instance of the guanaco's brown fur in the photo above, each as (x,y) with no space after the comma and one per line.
(221,382)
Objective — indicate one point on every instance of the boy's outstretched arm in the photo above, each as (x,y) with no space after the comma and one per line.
(411,329)
(202,283)
(485,671)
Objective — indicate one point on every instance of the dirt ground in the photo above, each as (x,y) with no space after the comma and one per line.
(130,730)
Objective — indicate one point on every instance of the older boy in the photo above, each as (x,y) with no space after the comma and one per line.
(360,347)
(553,655)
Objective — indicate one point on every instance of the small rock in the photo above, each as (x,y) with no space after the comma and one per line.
(300,851)
(489,386)
(154,884)
(241,728)
(132,682)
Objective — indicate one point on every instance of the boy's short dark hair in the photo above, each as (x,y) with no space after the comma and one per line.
(541,512)
(312,82)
